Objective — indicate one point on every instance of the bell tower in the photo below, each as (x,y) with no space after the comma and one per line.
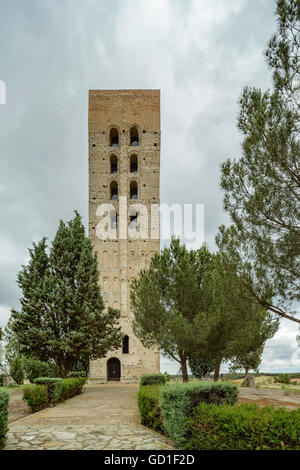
(124,176)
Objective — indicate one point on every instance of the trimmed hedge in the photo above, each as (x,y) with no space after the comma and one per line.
(148,403)
(153,379)
(54,387)
(244,427)
(75,374)
(49,391)
(36,396)
(178,401)
(4,399)
(71,387)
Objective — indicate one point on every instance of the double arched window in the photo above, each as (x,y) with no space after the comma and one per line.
(133,190)
(114,137)
(113,164)
(134,137)
(125,348)
(114,190)
(133,164)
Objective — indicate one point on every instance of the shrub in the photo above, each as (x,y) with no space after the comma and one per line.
(153,379)
(148,403)
(179,400)
(16,370)
(54,387)
(75,373)
(71,387)
(244,427)
(35,368)
(4,399)
(36,396)
(283,378)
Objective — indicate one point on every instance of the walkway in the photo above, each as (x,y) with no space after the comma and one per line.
(102,417)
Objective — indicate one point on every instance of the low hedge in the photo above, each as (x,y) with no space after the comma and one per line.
(75,374)
(36,396)
(54,387)
(153,379)
(178,401)
(49,391)
(4,399)
(71,387)
(244,427)
(148,403)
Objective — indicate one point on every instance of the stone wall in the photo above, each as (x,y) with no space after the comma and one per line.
(121,259)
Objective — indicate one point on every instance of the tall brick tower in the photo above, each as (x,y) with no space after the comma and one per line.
(124,167)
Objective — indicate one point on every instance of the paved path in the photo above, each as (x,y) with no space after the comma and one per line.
(102,417)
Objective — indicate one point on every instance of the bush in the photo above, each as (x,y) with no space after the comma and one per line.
(283,378)
(179,400)
(16,370)
(71,387)
(148,403)
(244,427)
(36,396)
(4,399)
(75,373)
(153,379)
(54,387)
(35,368)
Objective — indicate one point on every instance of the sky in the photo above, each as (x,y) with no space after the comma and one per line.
(199,54)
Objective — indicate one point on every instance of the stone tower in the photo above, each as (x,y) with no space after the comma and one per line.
(124,168)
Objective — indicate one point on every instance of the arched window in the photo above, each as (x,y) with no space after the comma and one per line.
(133,164)
(133,221)
(133,190)
(113,190)
(126,345)
(134,137)
(113,164)
(113,219)
(114,138)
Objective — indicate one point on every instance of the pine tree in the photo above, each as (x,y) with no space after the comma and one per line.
(262,189)
(62,315)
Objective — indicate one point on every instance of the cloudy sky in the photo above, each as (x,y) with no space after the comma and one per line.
(200,54)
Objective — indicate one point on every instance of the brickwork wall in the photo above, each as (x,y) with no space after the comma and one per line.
(120,260)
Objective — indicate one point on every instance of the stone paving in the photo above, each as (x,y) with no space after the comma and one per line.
(103,417)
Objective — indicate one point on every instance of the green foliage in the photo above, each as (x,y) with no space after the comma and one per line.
(54,388)
(16,370)
(35,368)
(148,403)
(62,315)
(4,399)
(201,366)
(36,397)
(245,427)
(283,378)
(167,301)
(71,387)
(75,373)
(153,379)
(179,400)
(49,391)
(262,188)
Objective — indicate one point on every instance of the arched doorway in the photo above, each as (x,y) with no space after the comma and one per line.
(113,369)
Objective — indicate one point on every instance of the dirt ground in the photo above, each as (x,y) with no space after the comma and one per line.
(17,407)
(265,397)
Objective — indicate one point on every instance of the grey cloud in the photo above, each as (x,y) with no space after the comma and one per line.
(200,54)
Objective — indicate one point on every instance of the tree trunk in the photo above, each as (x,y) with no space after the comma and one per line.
(246,373)
(185,376)
(217,370)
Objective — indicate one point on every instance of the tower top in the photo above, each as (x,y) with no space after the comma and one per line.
(123,107)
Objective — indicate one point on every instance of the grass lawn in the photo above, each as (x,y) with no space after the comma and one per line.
(13,388)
